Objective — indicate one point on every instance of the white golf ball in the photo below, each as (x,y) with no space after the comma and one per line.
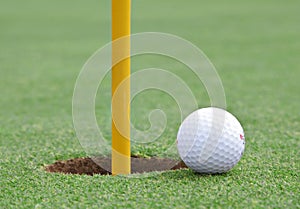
(210,140)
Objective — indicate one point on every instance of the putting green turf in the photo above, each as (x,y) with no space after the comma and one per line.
(255,48)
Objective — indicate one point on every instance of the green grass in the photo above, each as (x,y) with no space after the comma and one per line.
(255,48)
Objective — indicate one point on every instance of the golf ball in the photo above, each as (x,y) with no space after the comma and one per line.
(210,140)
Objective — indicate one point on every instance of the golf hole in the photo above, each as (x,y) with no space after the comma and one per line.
(87,166)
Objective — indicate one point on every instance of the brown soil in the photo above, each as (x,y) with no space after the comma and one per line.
(89,167)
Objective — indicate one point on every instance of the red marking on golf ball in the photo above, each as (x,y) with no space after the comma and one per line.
(242,137)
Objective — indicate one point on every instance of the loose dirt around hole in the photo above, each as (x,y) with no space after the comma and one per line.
(88,166)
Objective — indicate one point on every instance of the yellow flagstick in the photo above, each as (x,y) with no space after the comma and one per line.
(120,72)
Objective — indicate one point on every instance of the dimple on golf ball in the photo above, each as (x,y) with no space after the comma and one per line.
(210,140)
